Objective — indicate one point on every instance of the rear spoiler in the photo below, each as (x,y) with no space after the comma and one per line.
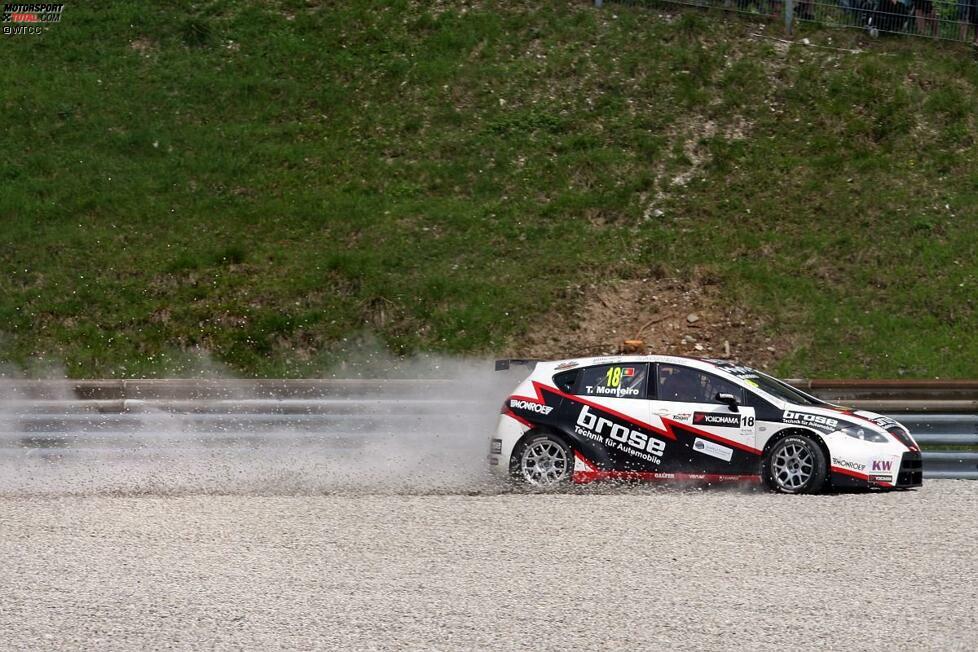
(505,363)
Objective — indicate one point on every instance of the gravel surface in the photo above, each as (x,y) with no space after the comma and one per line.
(615,568)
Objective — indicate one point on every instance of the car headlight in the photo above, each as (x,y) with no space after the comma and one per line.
(903,436)
(859,432)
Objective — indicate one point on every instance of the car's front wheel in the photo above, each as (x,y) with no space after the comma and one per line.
(542,460)
(796,465)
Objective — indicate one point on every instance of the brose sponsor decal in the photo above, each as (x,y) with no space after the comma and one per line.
(637,442)
(714,450)
(539,408)
(815,420)
(714,419)
(846,464)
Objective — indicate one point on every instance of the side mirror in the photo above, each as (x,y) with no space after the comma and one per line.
(729,399)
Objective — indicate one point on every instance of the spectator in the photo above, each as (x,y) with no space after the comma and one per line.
(925,17)
(893,15)
(806,9)
(968,15)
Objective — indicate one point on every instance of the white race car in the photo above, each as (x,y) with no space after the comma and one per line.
(665,417)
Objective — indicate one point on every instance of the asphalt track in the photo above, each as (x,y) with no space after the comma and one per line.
(483,568)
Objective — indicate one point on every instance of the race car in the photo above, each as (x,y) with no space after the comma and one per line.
(676,418)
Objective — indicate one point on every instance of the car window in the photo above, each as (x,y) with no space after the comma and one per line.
(677,383)
(775,387)
(614,380)
(565,381)
(762,408)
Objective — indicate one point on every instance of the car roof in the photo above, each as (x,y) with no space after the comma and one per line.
(728,369)
(725,368)
(702,363)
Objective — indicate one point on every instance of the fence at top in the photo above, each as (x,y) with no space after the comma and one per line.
(950,20)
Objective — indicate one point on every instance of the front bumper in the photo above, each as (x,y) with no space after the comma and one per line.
(911,470)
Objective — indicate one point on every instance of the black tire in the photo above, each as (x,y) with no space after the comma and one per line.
(795,465)
(548,454)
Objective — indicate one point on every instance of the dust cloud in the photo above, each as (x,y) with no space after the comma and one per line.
(418,425)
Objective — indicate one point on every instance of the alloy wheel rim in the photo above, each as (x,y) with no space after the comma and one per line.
(544,463)
(793,466)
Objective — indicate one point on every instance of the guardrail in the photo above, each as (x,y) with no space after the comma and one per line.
(107,414)
(939,413)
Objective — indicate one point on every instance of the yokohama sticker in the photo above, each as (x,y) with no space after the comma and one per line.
(716,420)
(713,450)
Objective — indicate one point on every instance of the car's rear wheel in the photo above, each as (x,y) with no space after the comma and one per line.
(542,460)
(796,465)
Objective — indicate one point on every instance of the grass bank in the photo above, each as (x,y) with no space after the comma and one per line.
(263,179)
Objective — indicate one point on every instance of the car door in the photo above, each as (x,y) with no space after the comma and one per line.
(718,437)
(611,416)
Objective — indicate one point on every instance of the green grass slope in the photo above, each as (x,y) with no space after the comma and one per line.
(261,179)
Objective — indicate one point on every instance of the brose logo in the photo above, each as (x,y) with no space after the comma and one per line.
(815,420)
(532,407)
(713,419)
(619,433)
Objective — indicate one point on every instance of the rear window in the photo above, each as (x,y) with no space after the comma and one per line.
(565,381)
(614,380)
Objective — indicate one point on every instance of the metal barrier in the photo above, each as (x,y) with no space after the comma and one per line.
(939,413)
(766,8)
(113,414)
(951,20)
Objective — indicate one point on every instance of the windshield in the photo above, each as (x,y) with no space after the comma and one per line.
(768,384)
(778,388)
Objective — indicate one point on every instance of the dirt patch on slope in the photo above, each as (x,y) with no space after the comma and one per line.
(670,316)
